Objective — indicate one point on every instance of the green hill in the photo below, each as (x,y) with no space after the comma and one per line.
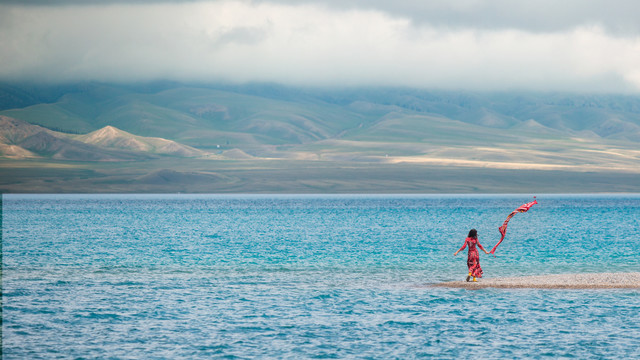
(262,114)
(263,128)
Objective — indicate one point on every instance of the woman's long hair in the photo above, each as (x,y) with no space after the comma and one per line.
(473,234)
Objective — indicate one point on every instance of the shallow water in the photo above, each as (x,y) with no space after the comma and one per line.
(302,276)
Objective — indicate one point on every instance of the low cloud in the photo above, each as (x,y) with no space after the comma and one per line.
(614,16)
(313,44)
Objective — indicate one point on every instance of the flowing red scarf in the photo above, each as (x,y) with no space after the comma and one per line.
(503,228)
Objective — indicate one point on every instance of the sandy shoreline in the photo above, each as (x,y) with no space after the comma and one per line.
(560,281)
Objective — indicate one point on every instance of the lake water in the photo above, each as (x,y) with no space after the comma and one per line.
(303,276)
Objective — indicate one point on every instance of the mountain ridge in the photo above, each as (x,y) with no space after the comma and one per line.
(271,115)
(193,138)
(19,140)
(112,137)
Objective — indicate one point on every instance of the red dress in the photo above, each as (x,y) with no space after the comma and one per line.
(473,259)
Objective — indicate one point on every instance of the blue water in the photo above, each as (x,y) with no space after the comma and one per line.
(211,276)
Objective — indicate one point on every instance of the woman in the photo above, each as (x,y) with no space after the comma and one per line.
(473,260)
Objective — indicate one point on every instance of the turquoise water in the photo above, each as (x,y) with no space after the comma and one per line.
(211,276)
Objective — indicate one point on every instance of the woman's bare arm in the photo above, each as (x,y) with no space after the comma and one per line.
(462,248)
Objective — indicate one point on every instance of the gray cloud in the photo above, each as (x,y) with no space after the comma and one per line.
(616,16)
(246,35)
(475,44)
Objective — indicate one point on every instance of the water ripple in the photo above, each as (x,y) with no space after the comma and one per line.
(310,277)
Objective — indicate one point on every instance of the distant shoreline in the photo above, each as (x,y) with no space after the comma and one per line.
(169,175)
(556,281)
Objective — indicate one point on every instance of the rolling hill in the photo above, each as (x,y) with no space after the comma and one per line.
(253,125)
(114,138)
(20,140)
(206,116)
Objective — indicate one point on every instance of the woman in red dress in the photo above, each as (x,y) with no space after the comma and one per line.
(473,260)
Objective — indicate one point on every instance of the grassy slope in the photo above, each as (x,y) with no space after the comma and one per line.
(194,116)
(273,117)
(366,141)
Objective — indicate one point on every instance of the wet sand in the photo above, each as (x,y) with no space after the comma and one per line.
(560,281)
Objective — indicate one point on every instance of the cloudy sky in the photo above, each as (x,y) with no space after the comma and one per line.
(548,45)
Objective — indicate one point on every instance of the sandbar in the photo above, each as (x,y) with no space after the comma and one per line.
(556,281)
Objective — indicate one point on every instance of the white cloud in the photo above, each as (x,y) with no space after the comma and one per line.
(307,44)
